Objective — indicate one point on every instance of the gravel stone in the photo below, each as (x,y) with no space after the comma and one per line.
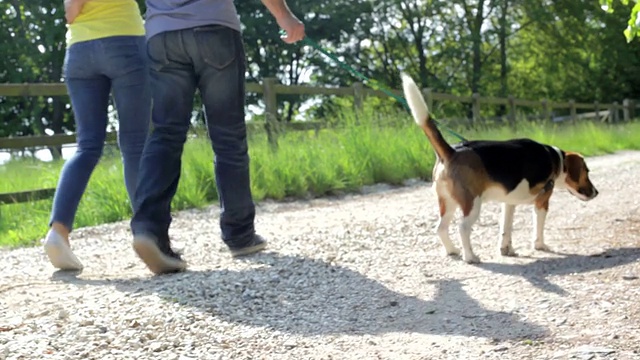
(357,276)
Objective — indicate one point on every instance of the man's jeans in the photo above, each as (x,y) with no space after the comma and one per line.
(92,70)
(211,59)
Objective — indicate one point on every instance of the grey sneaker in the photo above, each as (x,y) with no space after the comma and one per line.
(257,243)
(158,255)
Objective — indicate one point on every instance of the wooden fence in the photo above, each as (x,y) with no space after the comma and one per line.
(270,89)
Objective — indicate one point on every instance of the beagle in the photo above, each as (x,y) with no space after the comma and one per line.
(512,172)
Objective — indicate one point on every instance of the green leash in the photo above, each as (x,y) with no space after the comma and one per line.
(371,82)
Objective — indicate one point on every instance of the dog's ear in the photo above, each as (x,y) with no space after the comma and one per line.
(574,164)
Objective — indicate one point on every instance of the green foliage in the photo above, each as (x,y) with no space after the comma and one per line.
(551,59)
(361,152)
(632,29)
(268,56)
(560,50)
(32,43)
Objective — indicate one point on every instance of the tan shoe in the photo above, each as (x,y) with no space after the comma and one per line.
(59,252)
(158,256)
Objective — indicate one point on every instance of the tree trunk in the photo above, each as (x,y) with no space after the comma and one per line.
(476,48)
(476,40)
(290,109)
(502,37)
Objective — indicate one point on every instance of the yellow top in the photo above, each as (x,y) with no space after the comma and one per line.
(103,18)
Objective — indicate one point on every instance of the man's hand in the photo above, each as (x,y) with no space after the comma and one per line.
(72,9)
(286,20)
(293,27)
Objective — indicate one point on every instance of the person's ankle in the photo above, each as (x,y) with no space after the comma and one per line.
(61,230)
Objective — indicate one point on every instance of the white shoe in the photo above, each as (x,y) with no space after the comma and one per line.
(60,253)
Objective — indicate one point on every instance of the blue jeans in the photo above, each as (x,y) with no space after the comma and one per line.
(212,60)
(92,70)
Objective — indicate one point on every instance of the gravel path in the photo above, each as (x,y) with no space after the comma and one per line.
(356,277)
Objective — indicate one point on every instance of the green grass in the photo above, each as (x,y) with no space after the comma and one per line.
(336,160)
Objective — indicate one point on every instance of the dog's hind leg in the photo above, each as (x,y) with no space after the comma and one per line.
(470,212)
(447,211)
(506,228)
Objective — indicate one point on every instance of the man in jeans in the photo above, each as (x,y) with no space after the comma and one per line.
(193,45)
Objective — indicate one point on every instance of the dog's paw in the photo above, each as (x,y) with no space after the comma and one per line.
(541,247)
(508,251)
(471,258)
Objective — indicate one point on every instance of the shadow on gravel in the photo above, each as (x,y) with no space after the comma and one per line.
(536,272)
(311,297)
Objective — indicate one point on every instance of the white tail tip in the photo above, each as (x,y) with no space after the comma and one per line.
(415,100)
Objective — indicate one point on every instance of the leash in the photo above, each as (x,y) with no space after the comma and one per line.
(370,82)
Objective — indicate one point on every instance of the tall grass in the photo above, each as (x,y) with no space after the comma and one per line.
(305,164)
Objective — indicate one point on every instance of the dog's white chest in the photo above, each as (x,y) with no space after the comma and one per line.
(519,195)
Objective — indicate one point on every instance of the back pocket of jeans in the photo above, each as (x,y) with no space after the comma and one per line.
(217,45)
(157,52)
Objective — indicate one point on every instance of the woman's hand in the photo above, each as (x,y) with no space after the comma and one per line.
(72,9)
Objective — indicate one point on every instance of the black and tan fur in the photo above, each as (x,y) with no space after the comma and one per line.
(512,172)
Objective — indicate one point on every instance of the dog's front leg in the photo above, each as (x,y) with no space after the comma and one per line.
(540,210)
(470,212)
(506,228)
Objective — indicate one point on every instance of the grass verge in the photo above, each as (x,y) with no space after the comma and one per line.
(335,160)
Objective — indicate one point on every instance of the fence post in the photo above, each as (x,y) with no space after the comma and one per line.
(512,109)
(625,110)
(428,96)
(609,117)
(358,95)
(613,116)
(572,110)
(545,110)
(475,107)
(271,110)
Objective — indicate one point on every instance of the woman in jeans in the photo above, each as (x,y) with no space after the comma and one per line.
(106,53)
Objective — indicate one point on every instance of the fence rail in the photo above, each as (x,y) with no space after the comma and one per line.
(26,196)
(270,89)
(40,141)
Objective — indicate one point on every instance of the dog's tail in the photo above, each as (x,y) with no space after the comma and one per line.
(420,113)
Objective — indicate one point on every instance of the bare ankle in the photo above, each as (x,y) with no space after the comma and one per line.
(61,229)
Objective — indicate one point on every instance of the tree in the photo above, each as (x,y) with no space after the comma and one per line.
(33,42)
(573,51)
(560,50)
(632,29)
(269,56)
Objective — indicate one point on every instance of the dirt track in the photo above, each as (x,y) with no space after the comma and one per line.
(361,277)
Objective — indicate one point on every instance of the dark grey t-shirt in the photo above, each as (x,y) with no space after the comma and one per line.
(169,15)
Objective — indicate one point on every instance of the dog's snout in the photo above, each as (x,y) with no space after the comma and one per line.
(590,192)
